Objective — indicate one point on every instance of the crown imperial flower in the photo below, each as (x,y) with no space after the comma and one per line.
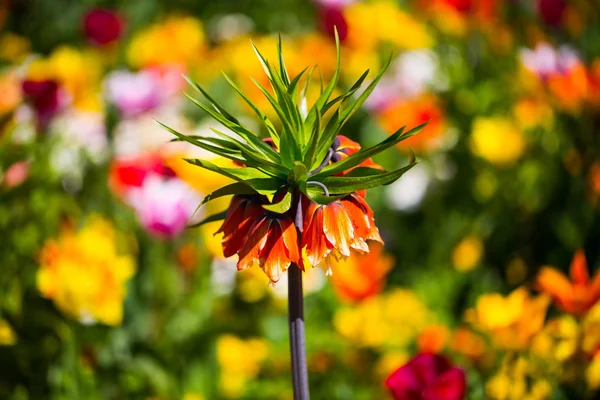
(298,195)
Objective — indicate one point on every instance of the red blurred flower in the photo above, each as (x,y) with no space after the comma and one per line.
(576,296)
(102,26)
(427,377)
(127,172)
(45,97)
(337,227)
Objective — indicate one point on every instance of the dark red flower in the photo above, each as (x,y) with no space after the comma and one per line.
(45,97)
(552,11)
(102,26)
(427,377)
(333,17)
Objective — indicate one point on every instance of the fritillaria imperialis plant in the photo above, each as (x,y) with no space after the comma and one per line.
(298,194)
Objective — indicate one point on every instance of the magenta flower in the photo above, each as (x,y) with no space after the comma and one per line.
(163,205)
(427,377)
(102,26)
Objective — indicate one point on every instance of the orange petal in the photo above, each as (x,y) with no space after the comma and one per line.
(256,240)
(313,239)
(338,228)
(290,239)
(579,269)
(273,258)
(556,284)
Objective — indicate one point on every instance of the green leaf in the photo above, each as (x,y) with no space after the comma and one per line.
(316,194)
(252,160)
(284,74)
(234,155)
(299,173)
(364,154)
(314,138)
(326,93)
(349,184)
(229,190)
(294,83)
(283,206)
(348,94)
(237,174)
(253,140)
(262,116)
(329,133)
(212,101)
(212,218)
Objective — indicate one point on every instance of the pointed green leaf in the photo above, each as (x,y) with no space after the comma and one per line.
(284,74)
(212,101)
(364,154)
(345,184)
(282,207)
(229,190)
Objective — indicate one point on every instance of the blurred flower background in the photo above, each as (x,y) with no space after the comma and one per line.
(486,284)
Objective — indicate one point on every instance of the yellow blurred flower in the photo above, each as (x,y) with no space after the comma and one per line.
(592,373)
(376,22)
(193,396)
(497,140)
(240,361)
(178,39)
(7,334)
(78,71)
(515,381)
(390,361)
(558,341)
(14,48)
(84,273)
(467,254)
(380,322)
(511,321)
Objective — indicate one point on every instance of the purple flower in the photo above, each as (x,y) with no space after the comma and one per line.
(163,206)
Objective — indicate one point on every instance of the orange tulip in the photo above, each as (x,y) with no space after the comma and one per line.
(576,296)
(361,275)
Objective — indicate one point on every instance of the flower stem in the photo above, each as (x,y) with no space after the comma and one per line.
(297,339)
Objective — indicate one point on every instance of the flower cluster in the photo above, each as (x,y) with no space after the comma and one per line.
(84,273)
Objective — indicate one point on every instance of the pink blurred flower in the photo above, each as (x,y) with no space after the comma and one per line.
(133,93)
(102,26)
(545,61)
(16,174)
(137,92)
(163,206)
(427,377)
(46,97)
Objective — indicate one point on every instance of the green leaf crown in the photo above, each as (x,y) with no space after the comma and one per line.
(299,159)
